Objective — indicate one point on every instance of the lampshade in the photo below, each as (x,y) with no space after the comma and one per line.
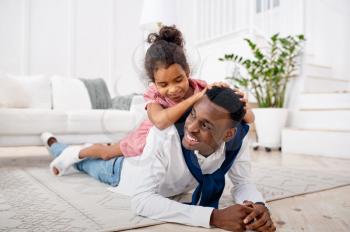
(157,12)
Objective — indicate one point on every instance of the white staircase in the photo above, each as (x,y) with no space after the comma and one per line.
(321,123)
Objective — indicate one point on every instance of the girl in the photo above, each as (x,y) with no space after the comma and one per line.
(172,93)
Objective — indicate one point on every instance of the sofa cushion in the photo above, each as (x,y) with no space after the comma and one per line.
(100,121)
(38,87)
(137,108)
(69,94)
(122,102)
(12,94)
(98,93)
(32,121)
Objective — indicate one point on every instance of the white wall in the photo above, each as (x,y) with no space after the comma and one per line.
(12,32)
(328,34)
(128,36)
(324,23)
(74,38)
(97,38)
(212,69)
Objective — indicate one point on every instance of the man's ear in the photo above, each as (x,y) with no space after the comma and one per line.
(230,133)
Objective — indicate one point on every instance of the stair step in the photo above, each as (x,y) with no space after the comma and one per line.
(316,84)
(319,101)
(317,70)
(316,142)
(325,119)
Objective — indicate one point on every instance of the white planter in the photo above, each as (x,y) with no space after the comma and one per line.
(269,123)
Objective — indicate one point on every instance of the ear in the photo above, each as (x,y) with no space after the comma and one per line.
(230,133)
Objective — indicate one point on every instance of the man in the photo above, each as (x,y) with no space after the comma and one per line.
(196,154)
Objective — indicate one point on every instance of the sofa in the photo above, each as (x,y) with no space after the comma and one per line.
(31,105)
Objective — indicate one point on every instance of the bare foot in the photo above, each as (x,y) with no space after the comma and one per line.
(55,171)
(51,141)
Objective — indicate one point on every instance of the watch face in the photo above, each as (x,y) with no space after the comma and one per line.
(261,203)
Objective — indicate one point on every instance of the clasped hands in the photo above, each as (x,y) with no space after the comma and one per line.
(248,216)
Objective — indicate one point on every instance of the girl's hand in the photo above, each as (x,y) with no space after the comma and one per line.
(218,84)
(249,116)
(243,97)
(195,97)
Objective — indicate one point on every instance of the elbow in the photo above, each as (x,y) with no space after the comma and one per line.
(141,204)
(135,205)
(160,125)
(159,120)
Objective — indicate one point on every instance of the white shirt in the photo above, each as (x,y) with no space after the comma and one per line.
(161,172)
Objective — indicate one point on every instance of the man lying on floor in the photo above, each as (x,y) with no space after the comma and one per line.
(195,153)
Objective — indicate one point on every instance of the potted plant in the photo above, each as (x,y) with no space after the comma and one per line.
(268,73)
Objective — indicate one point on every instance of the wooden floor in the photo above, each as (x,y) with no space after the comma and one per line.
(324,211)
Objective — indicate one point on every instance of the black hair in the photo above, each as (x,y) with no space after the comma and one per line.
(226,98)
(167,49)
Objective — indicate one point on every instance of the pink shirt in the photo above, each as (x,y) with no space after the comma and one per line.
(134,142)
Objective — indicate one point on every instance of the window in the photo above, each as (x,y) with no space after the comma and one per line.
(265,5)
(276,3)
(258,6)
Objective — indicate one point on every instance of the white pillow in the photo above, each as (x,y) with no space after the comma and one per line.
(12,94)
(69,94)
(38,88)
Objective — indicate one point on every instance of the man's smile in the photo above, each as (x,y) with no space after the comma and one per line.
(190,139)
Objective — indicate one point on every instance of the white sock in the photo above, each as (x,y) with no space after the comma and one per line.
(64,162)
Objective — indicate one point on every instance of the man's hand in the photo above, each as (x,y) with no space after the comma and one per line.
(259,219)
(230,218)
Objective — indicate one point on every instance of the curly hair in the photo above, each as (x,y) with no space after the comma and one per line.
(167,48)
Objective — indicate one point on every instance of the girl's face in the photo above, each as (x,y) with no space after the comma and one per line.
(172,82)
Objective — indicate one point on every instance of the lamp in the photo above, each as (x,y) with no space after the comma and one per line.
(156,13)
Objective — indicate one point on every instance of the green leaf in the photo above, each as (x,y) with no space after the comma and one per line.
(274,37)
(268,72)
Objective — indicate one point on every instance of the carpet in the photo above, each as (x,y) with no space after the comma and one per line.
(31,199)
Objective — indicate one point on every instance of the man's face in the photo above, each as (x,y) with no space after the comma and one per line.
(207,126)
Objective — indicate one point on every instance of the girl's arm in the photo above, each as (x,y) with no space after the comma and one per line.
(163,118)
(101,151)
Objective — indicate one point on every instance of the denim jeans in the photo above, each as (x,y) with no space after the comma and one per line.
(106,171)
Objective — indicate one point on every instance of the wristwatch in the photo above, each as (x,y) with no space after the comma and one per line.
(262,203)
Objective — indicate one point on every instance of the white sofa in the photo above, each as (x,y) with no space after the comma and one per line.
(30,105)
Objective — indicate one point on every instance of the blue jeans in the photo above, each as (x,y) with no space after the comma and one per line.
(106,171)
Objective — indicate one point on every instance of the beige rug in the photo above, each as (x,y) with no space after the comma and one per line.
(31,199)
